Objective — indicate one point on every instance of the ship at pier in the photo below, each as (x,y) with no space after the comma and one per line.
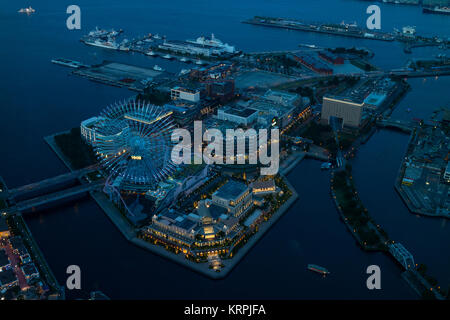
(213,42)
(437,10)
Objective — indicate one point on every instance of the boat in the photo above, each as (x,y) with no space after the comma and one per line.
(312,46)
(157,68)
(167,56)
(318,269)
(326,166)
(213,42)
(199,62)
(183,59)
(437,10)
(157,37)
(150,53)
(124,45)
(184,71)
(98,33)
(102,44)
(28,10)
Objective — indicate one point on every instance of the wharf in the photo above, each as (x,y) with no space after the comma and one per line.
(333,29)
(121,75)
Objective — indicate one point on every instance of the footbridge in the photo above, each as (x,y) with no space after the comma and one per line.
(403,256)
(406,126)
(47,184)
(55,197)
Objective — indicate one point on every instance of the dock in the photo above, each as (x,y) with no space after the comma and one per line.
(325,28)
(122,75)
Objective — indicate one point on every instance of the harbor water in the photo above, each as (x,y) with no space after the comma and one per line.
(40,98)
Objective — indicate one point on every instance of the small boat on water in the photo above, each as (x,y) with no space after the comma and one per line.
(326,166)
(184,71)
(167,56)
(157,68)
(150,53)
(28,10)
(318,269)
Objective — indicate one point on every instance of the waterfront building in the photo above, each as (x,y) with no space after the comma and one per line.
(176,223)
(183,113)
(87,128)
(447,173)
(8,279)
(254,219)
(272,113)
(283,97)
(179,93)
(19,248)
(331,57)
(30,271)
(244,116)
(4,260)
(221,90)
(234,196)
(313,63)
(263,187)
(4,229)
(347,109)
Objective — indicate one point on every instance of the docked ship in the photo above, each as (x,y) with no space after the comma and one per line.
(124,46)
(213,42)
(437,10)
(28,10)
(98,33)
(102,44)
(318,269)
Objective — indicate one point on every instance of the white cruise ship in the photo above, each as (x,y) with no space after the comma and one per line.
(213,42)
(103,44)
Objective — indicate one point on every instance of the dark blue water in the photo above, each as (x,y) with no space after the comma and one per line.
(39,98)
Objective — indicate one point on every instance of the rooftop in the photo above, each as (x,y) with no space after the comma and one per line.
(4,261)
(231,190)
(7,277)
(3,225)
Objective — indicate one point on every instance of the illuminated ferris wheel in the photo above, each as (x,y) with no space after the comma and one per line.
(133,144)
